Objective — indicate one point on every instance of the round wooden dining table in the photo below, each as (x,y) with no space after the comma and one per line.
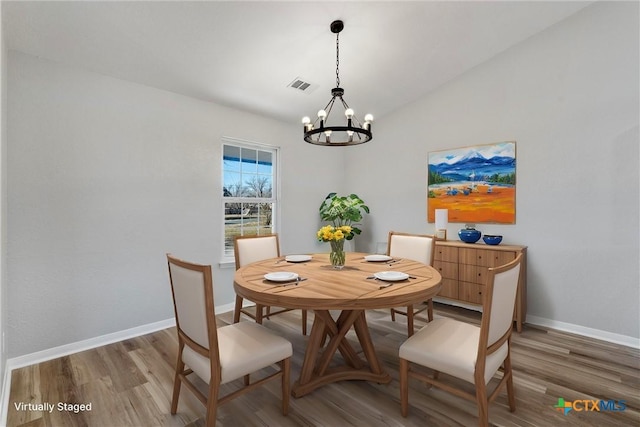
(351,290)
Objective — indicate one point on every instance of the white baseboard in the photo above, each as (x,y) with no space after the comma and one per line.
(474,307)
(584,331)
(563,327)
(230,307)
(64,350)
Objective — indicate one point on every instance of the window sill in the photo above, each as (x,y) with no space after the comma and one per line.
(224,264)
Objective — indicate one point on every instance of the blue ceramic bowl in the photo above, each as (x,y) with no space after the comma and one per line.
(469,235)
(491,239)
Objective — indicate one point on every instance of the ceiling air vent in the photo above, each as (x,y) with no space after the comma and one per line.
(302,85)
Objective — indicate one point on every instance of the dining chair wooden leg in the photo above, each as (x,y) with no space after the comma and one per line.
(393,315)
(285,367)
(176,382)
(304,322)
(430,310)
(238,309)
(212,404)
(510,390)
(404,387)
(409,320)
(483,403)
(259,313)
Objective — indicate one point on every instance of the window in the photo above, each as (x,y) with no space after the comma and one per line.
(249,190)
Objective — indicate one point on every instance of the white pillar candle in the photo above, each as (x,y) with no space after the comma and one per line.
(442,220)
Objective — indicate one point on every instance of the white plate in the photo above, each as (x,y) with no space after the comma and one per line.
(298,258)
(377,258)
(391,276)
(281,276)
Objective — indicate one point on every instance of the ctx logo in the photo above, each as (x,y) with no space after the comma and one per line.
(585,405)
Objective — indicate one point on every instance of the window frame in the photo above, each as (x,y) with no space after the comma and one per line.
(228,259)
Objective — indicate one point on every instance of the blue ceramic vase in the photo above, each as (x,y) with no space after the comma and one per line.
(469,235)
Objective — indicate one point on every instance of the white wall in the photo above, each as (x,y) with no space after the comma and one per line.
(569,97)
(3,195)
(104,178)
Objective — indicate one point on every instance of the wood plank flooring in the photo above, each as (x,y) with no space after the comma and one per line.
(129,383)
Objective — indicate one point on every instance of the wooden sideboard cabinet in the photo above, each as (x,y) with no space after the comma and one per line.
(464,266)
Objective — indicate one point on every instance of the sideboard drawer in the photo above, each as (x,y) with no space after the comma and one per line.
(448,270)
(473,274)
(446,253)
(471,292)
(449,289)
(498,258)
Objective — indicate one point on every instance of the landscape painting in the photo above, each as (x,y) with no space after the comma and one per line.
(476,184)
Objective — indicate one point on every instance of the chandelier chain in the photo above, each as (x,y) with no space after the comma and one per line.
(337,60)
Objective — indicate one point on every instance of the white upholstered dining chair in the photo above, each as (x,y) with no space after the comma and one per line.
(249,249)
(219,355)
(465,351)
(416,247)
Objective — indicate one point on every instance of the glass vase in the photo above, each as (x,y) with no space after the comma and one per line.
(337,255)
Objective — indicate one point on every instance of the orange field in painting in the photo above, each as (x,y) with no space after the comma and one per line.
(497,206)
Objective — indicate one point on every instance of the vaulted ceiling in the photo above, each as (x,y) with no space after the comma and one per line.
(245,54)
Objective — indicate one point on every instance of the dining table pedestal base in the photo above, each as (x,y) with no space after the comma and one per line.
(316,370)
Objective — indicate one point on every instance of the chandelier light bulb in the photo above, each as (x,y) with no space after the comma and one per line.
(368,118)
(322,114)
(306,120)
(349,113)
(328,133)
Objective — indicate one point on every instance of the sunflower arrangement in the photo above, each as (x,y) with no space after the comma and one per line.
(336,237)
(330,233)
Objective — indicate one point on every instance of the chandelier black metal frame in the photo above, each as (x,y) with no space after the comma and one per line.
(320,132)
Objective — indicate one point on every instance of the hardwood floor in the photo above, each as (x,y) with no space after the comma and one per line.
(129,383)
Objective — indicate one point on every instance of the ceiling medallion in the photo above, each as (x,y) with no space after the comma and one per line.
(321,132)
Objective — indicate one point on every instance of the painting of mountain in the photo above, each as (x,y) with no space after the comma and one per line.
(476,184)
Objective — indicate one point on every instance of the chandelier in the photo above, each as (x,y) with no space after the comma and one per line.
(321,132)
